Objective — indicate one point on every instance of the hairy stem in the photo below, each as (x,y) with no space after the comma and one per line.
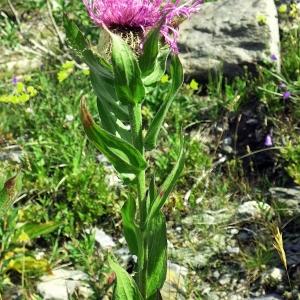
(135,112)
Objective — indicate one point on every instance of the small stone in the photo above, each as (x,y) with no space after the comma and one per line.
(62,284)
(124,254)
(288,199)
(216,274)
(227,149)
(254,210)
(174,285)
(234,231)
(268,297)
(69,118)
(273,277)
(227,141)
(225,279)
(105,241)
(233,250)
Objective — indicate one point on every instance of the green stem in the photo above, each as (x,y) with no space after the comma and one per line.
(135,112)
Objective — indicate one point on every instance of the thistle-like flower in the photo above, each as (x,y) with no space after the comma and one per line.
(142,15)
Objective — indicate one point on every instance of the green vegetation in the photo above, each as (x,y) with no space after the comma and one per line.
(67,183)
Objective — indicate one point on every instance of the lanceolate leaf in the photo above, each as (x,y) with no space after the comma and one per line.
(125,288)
(129,226)
(123,156)
(150,51)
(157,122)
(128,80)
(159,67)
(168,185)
(34,230)
(74,36)
(157,255)
(100,69)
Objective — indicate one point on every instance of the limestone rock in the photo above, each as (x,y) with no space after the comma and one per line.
(104,240)
(288,199)
(173,288)
(62,284)
(253,210)
(228,35)
(273,277)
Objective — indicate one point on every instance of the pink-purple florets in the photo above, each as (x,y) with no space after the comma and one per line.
(142,15)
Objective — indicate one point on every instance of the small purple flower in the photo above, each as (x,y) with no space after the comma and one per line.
(14,80)
(286,95)
(274,57)
(142,15)
(268,141)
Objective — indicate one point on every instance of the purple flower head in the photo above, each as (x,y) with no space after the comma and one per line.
(268,140)
(274,57)
(286,95)
(14,80)
(142,15)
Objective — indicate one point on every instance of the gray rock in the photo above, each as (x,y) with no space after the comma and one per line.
(105,241)
(288,199)
(273,277)
(62,284)
(12,153)
(226,35)
(225,279)
(253,210)
(268,297)
(174,288)
(188,257)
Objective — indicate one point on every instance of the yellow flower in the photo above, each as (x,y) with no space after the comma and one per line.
(282,9)
(32,91)
(261,20)
(9,255)
(194,85)
(19,87)
(86,72)
(294,12)
(23,238)
(165,79)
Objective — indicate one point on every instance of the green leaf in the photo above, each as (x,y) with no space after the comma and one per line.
(157,255)
(110,122)
(150,51)
(125,287)
(168,185)
(74,36)
(123,156)
(101,71)
(159,68)
(34,230)
(9,192)
(130,229)
(128,82)
(157,122)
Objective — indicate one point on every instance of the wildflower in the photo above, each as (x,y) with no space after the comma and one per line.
(274,57)
(142,15)
(14,80)
(165,78)
(282,9)
(194,85)
(286,95)
(268,141)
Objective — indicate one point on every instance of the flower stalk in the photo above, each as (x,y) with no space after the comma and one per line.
(121,86)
